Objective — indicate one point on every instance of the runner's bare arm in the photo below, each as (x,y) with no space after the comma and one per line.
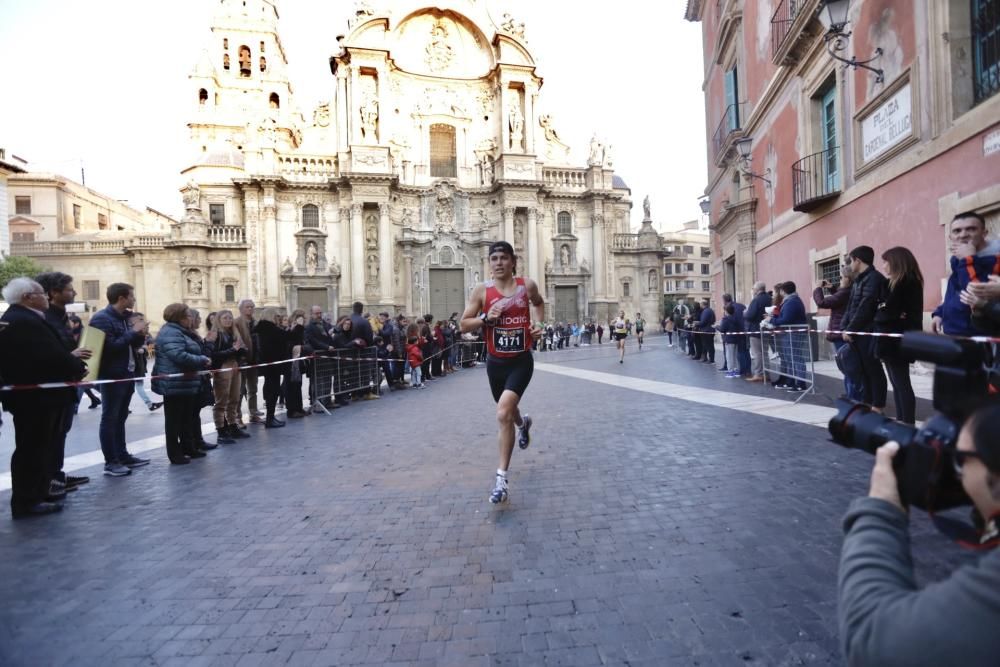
(537,307)
(470,318)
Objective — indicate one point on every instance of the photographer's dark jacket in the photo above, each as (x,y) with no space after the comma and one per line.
(222,350)
(956,317)
(886,621)
(867,292)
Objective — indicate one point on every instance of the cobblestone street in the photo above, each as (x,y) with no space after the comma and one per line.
(641,530)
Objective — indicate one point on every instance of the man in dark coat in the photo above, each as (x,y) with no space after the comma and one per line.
(867,291)
(32,352)
(59,288)
(318,339)
(706,328)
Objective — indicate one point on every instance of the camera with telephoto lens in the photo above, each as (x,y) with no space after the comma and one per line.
(924,465)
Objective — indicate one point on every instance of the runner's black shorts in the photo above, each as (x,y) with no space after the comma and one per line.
(620,336)
(513,373)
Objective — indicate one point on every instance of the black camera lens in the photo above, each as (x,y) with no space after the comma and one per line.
(855,426)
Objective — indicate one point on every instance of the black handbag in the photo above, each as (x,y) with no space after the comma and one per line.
(206,396)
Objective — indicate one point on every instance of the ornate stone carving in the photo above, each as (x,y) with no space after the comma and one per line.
(645,209)
(371,231)
(195,282)
(444,212)
(519,233)
(608,157)
(596,152)
(438,53)
(286,267)
(372,264)
(511,27)
(321,116)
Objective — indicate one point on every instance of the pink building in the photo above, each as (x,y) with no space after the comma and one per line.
(839,156)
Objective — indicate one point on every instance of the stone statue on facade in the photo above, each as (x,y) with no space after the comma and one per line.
(372,269)
(194,283)
(608,157)
(333,267)
(321,116)
(286,266)
(564,256)
(515,123)
(371,232)
(486,164)
(312,259)
(509,26)
(645,209)
(191,195)
(369,119)
(595,152)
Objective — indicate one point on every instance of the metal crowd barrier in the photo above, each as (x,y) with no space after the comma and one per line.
(470,351)
(346,372)
(788,357)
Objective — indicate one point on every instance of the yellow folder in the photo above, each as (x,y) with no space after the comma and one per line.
(93,340)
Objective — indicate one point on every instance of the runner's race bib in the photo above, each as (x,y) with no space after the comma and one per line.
(508,340)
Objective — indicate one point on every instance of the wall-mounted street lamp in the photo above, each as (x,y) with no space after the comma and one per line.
(833,16)
(705,204)
(743,151)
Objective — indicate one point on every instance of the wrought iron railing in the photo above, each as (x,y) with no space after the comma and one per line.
(815,179)
(985,49)
(781,22)
(729,125)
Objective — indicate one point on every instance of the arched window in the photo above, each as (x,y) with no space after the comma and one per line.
(443,160)
(245,61)
(263,64)
(274,101)
(310,215)
(565,223)
(202,96)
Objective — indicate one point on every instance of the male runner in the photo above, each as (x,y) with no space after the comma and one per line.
(640,324)
(619,329)
(501,308)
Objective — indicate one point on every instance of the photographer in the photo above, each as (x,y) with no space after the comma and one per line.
(884,619)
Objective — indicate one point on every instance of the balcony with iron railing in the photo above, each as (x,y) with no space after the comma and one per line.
(816,180)
(792,27)
(729,130)
(985,49)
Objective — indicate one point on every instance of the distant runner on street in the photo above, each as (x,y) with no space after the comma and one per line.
(640,325)
(619,330)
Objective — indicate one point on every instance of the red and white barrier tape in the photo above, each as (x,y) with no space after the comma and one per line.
(194,374)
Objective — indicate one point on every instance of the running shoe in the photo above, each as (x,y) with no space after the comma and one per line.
(524,432)
(499,493)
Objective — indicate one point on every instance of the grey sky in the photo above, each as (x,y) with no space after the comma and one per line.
(106,82)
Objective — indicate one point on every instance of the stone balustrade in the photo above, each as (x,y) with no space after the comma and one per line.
(307,168)
(565,179)
(625,242)
(227,234)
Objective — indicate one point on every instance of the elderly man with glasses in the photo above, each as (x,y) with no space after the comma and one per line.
(31,352)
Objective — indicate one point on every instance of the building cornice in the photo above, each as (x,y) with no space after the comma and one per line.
(694,10)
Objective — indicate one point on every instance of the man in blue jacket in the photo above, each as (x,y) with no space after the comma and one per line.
(973,260)
(117,363)
(793,316)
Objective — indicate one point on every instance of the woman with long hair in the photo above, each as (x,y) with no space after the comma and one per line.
(228,351)
(293,381)
(902,310)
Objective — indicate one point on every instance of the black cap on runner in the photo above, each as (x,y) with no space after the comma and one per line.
(502,246)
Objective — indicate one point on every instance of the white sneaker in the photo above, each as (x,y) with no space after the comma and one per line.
(524,432)
(499,493)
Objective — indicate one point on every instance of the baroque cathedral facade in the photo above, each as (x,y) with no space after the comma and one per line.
(431,146)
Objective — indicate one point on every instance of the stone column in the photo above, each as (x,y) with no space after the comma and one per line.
(385,251)
(352,108)
(598,236)
(504,95)
(529,121)
(342,109)
(269,248)
(746,265)
(356,270)
(408,282)
(531,243)
(508,224)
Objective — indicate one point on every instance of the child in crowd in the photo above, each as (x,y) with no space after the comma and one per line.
(415,355)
